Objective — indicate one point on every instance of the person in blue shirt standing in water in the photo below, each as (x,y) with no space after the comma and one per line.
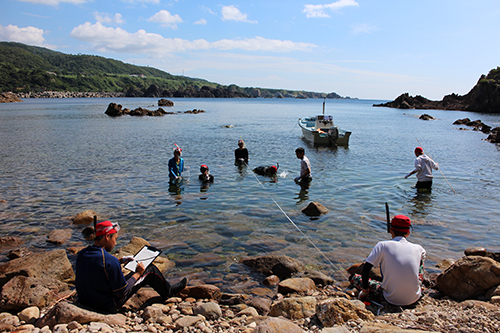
(176,165)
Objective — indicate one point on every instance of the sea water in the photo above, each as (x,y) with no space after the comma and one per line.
(59,157)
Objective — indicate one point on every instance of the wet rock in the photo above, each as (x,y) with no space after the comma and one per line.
(281,266)
(271,280)
(314,209)
(114,110)
(64,313)
(304,286)
(277,325)
(426,116)
(59,236)
(10,242)
(201,292)
(85,217)
(165,102)
(469,277)
(445,263)
(88,233)
(18,253)
(51,264)
(494,137)
(475,251)
(336,311)
(22,292)
(210,310)
(294,308)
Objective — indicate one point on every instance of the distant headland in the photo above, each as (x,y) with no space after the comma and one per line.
(483,97)
(37,72)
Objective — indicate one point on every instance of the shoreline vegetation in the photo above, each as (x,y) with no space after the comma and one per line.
(37,72)
(37,296)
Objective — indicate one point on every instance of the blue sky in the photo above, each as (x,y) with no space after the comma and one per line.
(359,48)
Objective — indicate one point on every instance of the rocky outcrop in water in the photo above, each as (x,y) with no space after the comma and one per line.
(9,97)
(70,94)
(484,97)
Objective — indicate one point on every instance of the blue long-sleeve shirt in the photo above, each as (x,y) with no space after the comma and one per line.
(174,169)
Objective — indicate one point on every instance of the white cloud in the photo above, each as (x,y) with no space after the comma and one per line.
(107,18)
(201,21)
(28,35)
(54,2)
(319,10)
(166,19)
(143,1)
(108,39)
(231,13)
(363,28)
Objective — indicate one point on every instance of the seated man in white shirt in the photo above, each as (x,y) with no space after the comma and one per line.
(401,264)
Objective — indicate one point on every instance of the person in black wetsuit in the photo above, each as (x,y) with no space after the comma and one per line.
(270,170)
(205,175)
(241,154)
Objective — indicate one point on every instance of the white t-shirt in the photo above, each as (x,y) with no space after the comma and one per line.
(305,165)
(424,165)
(399,262)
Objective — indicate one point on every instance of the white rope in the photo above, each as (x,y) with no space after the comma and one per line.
(296,227)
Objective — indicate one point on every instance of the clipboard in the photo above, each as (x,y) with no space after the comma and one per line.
(146,255)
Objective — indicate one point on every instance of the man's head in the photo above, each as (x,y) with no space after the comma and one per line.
(106,234)
(300,152)
(273,169)
(241,143)
(418,151)
(203,168)
(400,225)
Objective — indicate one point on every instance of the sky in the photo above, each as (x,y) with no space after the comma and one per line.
(363,49)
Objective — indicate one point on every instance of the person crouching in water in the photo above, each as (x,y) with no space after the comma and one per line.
(176,165)
(269,171)
(205,175)
(401,264)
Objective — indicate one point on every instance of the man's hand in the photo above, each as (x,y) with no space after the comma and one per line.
(408,175)
(126,259)
(140,268)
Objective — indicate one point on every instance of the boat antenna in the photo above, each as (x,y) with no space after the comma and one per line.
(324,101)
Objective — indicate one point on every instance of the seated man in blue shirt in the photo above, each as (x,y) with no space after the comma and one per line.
(100,283)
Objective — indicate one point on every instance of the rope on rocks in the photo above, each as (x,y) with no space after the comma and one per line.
(336,268)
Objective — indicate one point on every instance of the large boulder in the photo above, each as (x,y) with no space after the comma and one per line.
(206,291)
(51,264)
(281,266)
(22,292)
(59,236)
(337,311)
(314,209)
(470,277)
(9,97)
(494,137)
(64,313)
(85,217)
(165,102)
(294,308)
(114,110)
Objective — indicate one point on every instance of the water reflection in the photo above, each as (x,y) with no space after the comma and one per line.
(421,201)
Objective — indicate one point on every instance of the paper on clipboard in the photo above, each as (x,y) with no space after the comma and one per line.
(146,255)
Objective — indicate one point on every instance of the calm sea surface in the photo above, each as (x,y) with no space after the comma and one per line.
(60,157)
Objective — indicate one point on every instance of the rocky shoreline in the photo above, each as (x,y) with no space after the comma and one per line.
(285,296)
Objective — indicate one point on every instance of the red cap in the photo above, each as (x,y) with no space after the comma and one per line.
(273,168)
(203,167)
(419,150)
(106,228)
(401,223)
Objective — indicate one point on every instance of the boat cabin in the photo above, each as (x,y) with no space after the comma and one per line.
(323,121)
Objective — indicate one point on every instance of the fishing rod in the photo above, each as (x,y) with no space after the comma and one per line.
(438,168)
(388,218)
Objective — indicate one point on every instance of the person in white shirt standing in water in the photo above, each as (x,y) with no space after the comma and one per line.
(423,168)
(305,167)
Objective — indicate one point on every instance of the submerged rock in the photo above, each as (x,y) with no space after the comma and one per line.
(282,266)
(314,209)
